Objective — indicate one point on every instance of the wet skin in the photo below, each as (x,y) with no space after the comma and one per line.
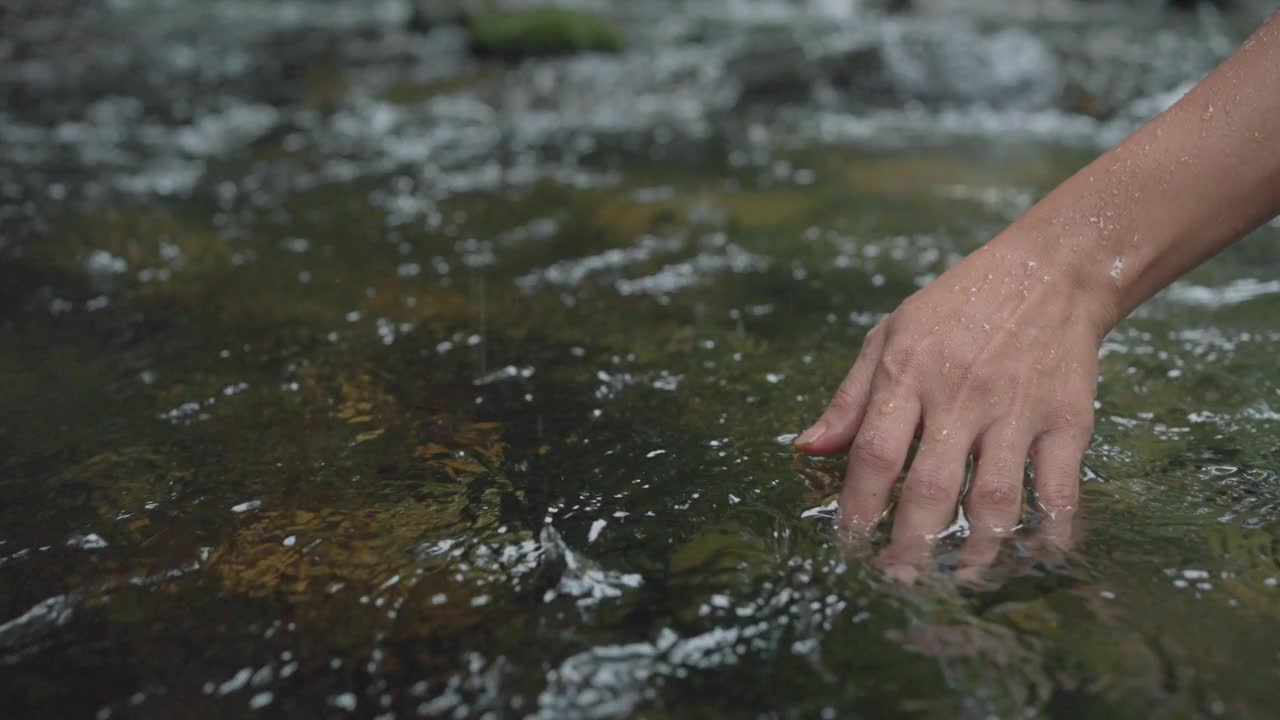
(996,360)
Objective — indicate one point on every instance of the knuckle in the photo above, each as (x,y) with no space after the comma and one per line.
(1073,420)
(1083,420)
(1057,495)
(979,383)
(964,373)
(897,364)
(1081,438)
(929,491)
(967,379)
(872,451)
(996,494)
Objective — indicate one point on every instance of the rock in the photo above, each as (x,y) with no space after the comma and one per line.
(859,71)
(1114,67)
(428,14)
(516,34)
(926,61)
(774,70)
(993,9)
(950,64)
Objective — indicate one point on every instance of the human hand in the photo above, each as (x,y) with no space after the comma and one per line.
(996,360)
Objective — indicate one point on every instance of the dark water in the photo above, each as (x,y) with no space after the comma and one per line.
(345,375)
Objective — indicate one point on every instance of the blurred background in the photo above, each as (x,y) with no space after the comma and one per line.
(442,359)
(168,84)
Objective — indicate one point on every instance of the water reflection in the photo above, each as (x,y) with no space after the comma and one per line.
(399,382)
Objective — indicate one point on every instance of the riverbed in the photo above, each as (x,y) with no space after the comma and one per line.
(347,373)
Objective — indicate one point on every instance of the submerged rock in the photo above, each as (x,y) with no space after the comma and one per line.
(516,34)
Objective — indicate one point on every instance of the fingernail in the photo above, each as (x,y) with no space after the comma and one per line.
(812,434)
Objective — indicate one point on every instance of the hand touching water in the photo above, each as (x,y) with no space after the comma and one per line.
(994,360)
(997,358)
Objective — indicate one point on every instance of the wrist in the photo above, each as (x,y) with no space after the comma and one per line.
(1063,255)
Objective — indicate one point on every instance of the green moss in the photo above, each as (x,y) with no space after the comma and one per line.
(530,33)
(412,92)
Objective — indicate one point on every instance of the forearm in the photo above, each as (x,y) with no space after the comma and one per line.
(1177,191)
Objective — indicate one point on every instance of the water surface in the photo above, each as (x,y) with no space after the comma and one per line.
(347,375)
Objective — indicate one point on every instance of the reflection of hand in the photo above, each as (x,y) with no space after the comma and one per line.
(996,359)
(1046,544)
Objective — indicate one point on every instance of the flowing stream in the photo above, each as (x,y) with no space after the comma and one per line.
(347,374)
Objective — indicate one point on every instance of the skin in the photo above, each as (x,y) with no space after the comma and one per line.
(996,359)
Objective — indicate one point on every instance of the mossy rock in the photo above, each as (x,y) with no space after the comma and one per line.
(532,33)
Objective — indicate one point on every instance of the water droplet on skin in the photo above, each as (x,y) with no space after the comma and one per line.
(1117,267)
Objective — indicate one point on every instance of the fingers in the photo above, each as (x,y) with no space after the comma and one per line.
(833,432)
(994,501)
(1056,458)
(977,557)
(876,458)
(982,565)
(927,503)
(1055,536)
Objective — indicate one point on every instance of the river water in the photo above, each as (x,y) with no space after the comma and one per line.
(346,374)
